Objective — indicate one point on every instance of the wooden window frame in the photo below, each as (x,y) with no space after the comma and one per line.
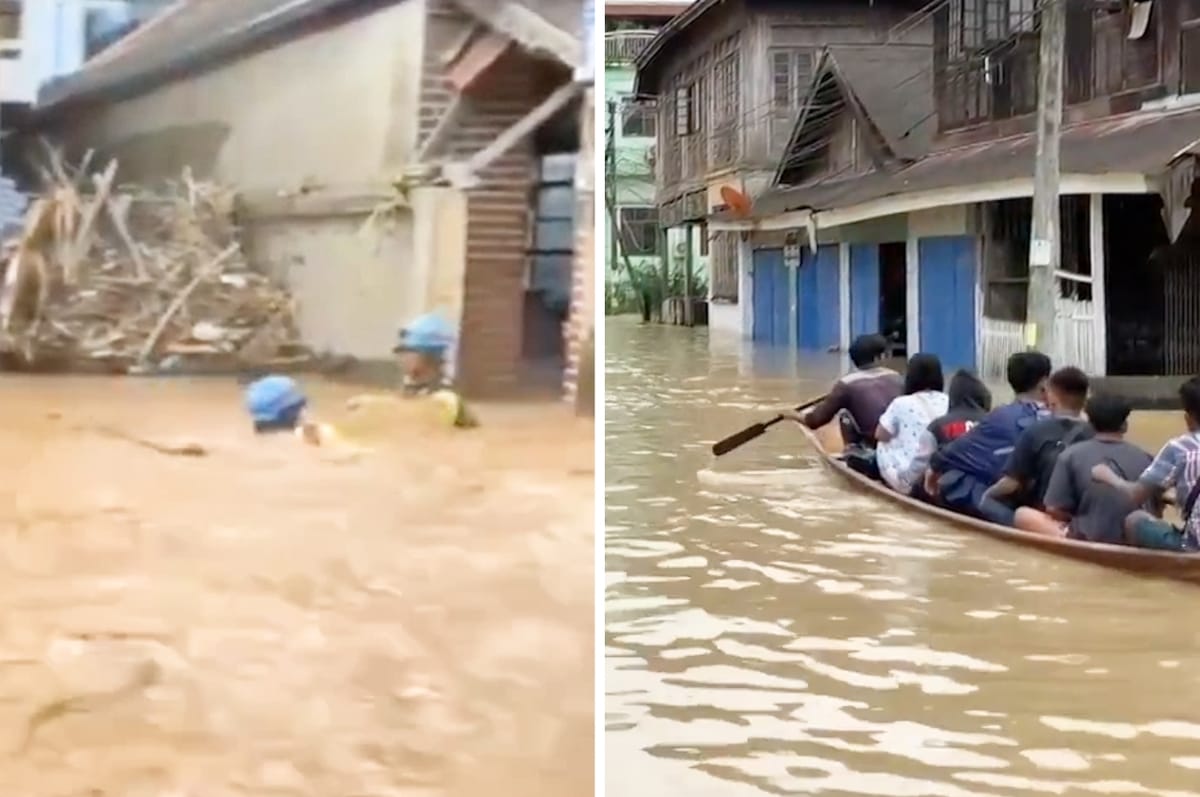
(646,241)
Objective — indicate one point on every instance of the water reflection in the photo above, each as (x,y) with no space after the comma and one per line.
(770,632)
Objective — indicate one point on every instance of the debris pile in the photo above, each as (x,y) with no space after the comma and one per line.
(133,280)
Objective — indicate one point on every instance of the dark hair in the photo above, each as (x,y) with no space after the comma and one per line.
(1189,396)
(924,372)
(1107,413)
(968,390)
(866,349)
(1026,369)
(1070,383)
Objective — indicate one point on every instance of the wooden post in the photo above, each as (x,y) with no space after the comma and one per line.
(912,290)
(1044,246)
(1099,300)
(688,319)
(664,272)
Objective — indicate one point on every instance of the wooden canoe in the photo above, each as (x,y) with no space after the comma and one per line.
(1177,566)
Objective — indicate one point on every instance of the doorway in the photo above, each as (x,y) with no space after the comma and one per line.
(893,296)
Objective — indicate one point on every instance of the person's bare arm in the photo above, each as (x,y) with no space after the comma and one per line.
(1138,492)
(827,409)
(1003,488)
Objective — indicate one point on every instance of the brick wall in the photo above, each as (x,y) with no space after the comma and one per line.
(580,331)
(498,210)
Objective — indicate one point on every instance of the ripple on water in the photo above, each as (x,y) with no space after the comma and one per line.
(813,639)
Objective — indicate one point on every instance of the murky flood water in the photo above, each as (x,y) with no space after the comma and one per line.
(272,620)
(770,632)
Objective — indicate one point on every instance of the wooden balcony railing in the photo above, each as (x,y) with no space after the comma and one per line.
(623,46)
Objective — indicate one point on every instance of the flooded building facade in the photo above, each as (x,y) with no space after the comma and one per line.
(729,79)
(459,119)
(957,214)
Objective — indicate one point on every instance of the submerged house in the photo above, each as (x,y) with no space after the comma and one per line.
(463,115)
(728,78)
(955,218)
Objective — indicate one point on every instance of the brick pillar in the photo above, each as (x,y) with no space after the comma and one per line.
(580,333)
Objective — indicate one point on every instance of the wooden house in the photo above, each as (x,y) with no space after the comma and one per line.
(728,78)
(961,210)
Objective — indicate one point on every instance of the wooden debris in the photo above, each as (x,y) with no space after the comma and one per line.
(137,280)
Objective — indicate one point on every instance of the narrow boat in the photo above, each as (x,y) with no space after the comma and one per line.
(1177,566)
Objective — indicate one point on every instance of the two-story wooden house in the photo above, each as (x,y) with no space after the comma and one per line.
(729,77)
(1129,298)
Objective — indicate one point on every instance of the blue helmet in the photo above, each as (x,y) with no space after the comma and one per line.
(427,334)
(274,399)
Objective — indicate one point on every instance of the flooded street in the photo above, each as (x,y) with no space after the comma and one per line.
(771,632)
(271,620)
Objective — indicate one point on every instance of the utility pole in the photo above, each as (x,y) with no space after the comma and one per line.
(1044,245)
(610,206)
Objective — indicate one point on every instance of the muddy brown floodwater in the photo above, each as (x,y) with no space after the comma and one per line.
(770,632)
(269,621)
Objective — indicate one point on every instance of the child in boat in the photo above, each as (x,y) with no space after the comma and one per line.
(1029,466)
(969,401)
(900,427)
(961,472)
(1177,466)
(1076,506)
(858,399)
(422,347)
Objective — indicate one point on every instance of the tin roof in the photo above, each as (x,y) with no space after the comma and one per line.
(888,88)
(192,35)
(1143,142)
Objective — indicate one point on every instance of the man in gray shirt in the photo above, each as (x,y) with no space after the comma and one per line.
(1077,506)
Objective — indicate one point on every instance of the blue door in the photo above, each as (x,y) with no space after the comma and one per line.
(818,324)
(947,305)
(864,290)
(772,306)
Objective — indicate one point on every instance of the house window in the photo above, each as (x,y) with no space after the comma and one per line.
(639,230)
(552,253)
(687,109)
(973,24)
(726,143)
(791,72)
(10,19)
(103,24)
(637,120)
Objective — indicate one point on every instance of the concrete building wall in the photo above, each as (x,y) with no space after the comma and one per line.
(330,112)
(499,209)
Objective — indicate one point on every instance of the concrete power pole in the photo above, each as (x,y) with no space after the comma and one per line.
(1045,253)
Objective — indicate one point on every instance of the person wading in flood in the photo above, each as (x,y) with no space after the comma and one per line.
(859,398)
(276,404)
(422,347)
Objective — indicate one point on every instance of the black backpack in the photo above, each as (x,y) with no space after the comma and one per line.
(1074,431)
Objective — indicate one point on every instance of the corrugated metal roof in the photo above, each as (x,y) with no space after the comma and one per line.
(1143,142)
(888,87)
(195,34)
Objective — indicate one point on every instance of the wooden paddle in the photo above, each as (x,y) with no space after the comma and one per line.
(739,439)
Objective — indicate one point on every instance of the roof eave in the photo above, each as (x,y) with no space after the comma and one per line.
(72,89)
(646,58)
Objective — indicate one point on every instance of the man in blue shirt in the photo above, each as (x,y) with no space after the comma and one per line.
(961,473)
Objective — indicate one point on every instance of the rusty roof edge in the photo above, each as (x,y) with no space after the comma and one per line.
(674,26)
(203,55)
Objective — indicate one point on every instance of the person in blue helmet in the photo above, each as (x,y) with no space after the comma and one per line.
(422,347)
(276,404)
